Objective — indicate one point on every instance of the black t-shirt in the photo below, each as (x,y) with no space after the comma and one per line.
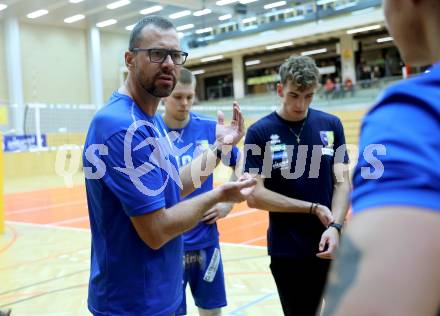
(308,176)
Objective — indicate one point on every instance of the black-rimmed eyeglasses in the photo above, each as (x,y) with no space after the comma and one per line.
(158,55)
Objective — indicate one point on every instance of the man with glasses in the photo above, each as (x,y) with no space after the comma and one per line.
(133,184)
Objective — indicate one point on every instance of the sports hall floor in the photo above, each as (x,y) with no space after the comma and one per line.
(44,253)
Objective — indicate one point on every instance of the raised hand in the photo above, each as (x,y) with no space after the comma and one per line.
(231,134)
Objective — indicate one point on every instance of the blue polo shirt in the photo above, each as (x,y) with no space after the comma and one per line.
(130,172)
(399,155)
(195,138)
(302,172)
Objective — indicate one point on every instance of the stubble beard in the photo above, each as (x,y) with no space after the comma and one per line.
(153,89)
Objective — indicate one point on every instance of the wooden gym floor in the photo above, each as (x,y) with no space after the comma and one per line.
(44,255)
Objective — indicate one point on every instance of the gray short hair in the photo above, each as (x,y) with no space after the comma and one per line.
(301,71)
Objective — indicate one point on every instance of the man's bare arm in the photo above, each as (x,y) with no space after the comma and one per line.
(271,201)
(158,227)
(388,264)
(220,210)
(194,174)
(341,192)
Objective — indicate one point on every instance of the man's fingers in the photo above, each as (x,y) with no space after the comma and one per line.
(212,221)
(323,242)
(329,219)
(220,118)
(324,255)
(245,176)
(235,111)
(247,186)
(246,183)
(209,216)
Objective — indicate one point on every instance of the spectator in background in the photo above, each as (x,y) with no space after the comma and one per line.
(329,86)
(348,87)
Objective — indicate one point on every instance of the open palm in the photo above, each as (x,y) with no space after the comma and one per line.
(231,134)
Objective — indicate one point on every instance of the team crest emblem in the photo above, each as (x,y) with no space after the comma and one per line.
(327,138)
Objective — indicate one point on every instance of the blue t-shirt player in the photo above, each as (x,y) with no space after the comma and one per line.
(203,267)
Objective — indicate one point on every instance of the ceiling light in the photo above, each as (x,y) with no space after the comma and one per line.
(384,39)
(247,1)
(150,10)
(285,44)
(74,18)
(198,72)
(211,58)
(3,6)
(252,62)
(225,17)
(314,52)
(184,27)
(118,4)
(274,5)
(225,2)
(37,14)
(205,30)
(130,27)
(75,1)
(180,14)
(202,12)
(106,23)
(364,29)
(249,20)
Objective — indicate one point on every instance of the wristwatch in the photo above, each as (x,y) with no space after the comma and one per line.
(337,226)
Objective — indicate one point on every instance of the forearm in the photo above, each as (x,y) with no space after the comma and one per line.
(185,215)
(379,257)
(271,201)
(340,201)
(193,175)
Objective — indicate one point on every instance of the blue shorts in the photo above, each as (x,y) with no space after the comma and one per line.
(203,270)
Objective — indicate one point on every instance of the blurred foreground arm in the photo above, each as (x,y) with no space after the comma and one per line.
(388,264)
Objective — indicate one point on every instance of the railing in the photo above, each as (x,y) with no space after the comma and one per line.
(294,15)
